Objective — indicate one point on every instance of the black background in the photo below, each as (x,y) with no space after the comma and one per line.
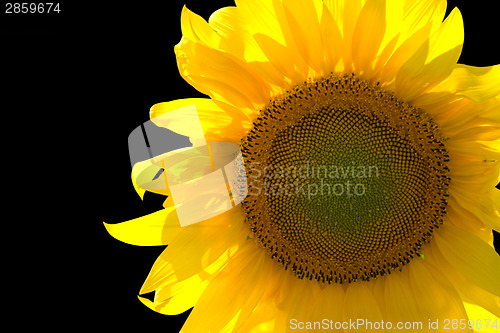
(81,81)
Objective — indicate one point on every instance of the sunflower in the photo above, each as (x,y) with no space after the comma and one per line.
(371,161)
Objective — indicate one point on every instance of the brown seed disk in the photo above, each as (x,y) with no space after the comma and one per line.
(346,182)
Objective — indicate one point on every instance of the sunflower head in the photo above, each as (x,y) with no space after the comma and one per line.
(370,163)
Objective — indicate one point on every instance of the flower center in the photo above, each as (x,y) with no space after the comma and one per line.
(345,181)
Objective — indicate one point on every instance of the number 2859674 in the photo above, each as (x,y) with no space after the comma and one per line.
(32,8)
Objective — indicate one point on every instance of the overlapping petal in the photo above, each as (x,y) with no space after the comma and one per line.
(246,268)
(368,309)
(401,305)
(476,83)
(469,291)
(471,256)
(437,298)
(195,248)
(221,76)
(434,60)
(157,228)
(219,121)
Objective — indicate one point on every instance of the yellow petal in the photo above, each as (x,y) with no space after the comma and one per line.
(262,319)
(476,83)
(351,10)
(216,73)
(241,285)
(218,90)
(393,23)
(400,303)
(403,53)
(237,39)
(332,302)
(179,296)
(469,291)
(176,304)
(282,58)
(482,207)
(394,11)
(219,121)
(331,40)
(261,16)
(195,28)
(265,266)
(196,247)
(299,305)
(419,20)
(462,218)
(471,256)
(367,309)
(493,114)
(496,201)
(419,14)
(174,287)
(482,320)
(138,189)
(176,295)
(434,61)
(283,50)
(303,21)
(174,275)
(449,36)
(366,38)
(278,288)
(436,298)
(158,228)
(265,26)
(228,24)
(336,9)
